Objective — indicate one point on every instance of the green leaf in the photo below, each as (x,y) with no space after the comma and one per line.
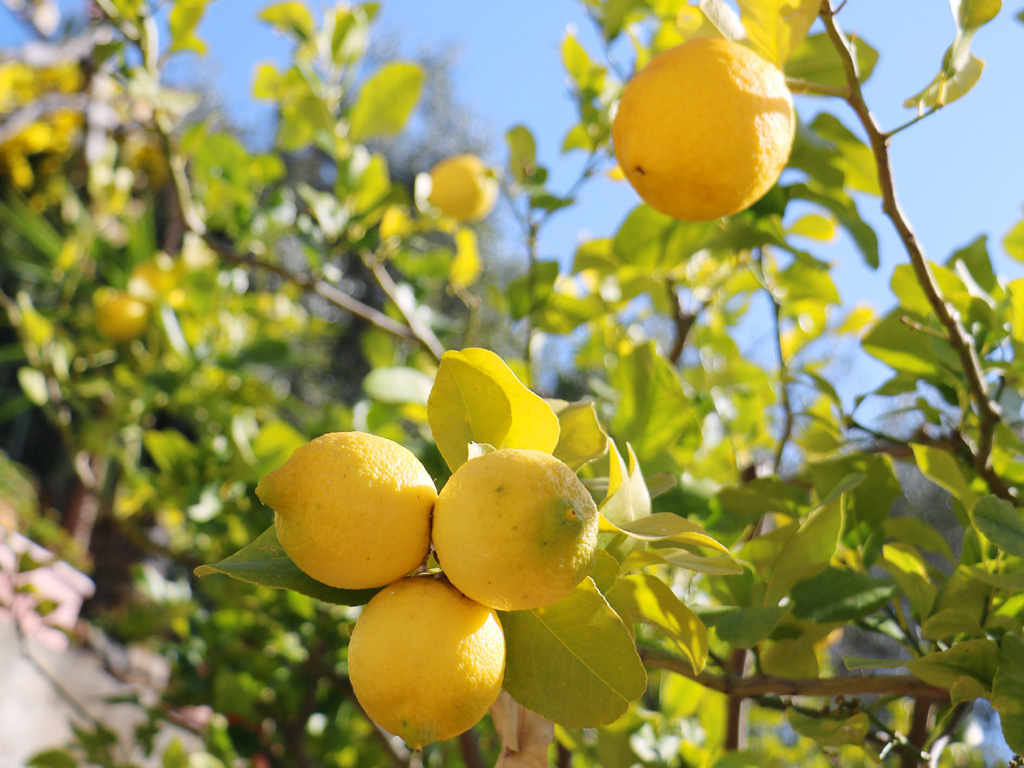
(856,160)
(1008,690)
(1001,523)
(52,758)
(182,20)
(649,600)
(817,61)
(976,659)
(573,662)
(843,207)
(522,154)
(777,27)
(398,385)
(868,504)
(971,14)
(265,563)
(652,409)
(941,468)
(532,291)
(1013,242)
(290,18)
(838,594)
(812,545)
(746,626)
(952,83)
(907,349)
(828,731)
(385,101)
(714,565)
(581,438)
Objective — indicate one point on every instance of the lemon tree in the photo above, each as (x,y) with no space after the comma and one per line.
(774,574)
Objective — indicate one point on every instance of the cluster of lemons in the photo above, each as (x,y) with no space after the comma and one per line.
(512,529)
(703,131)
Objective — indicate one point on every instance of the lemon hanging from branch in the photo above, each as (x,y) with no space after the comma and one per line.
(704,130)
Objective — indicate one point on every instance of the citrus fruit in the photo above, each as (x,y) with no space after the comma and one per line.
(463,188)
(157,280)
(704,130)
(352,510)
(515,529)
(425,661)
(121,317)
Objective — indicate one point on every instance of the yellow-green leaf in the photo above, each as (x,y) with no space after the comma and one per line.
(385,101)
(290,18)
(714,565)
(664,527)
(573,662)
(534,425)
(465,405)
(649,600)
(182,20)
(777,27)
(581,439)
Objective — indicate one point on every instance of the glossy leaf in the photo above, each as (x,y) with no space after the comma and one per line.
(1001,523)
(649,600)
(817,61)
(572,662)
(398,385)
(581,438)
(840,595)
(265,563)
(664,527)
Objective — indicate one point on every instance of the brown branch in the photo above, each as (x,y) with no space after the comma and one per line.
(912,758)
(766,685)
(684,321)
(988,411)
(320,288)
(736,721)
(419,330)
(469,748)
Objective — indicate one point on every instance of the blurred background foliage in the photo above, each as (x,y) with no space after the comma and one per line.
(183,309)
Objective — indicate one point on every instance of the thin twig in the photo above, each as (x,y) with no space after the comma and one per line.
(419,330)
(797,85)
(683,320)
(766,685)
(989,413)
(318,287)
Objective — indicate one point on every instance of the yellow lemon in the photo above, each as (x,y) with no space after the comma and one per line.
(120,317)
(463,188)
(515,529)
(425,661)
(157,280)
(704,130)
(352,510)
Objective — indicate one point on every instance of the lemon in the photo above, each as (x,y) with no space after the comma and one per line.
(157,280)
(463,188)
(704,130)
(515,529)
(120,317)
(352,509)
(425,661)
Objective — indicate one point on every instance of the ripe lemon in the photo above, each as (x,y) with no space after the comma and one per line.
(121,317)
(515,529)
(463,188)
(704,130)
(157,280)
(352,509)
(425,661)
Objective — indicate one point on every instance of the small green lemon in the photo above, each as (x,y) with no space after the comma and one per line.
(463,188)
(352,509)
(515,529)
(425,661)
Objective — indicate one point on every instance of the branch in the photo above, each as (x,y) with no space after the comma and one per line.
(418,329)
(988,411)
(320,288)
(765,685)
(683,320)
